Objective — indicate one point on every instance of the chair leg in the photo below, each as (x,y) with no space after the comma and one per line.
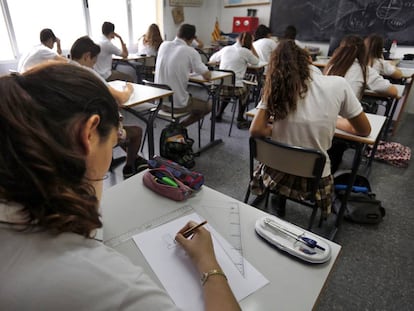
(312,218)
(144,139)
(246,197)
(232,117)
(200,124)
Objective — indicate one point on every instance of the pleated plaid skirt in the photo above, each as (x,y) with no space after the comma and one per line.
(291,186)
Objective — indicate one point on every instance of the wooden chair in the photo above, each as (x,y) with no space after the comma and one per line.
(293,160)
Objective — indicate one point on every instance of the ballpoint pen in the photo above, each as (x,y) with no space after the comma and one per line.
(190,231)
(300,238)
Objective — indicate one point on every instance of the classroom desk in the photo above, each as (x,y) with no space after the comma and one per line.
(294,285)
(321,62)
(213,87)
(140,60)
(144,94)
(377,124)
(391,104)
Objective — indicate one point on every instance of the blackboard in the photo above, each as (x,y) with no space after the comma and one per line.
(319,20)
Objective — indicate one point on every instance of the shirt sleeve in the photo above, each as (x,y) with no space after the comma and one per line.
(250,57)
(375,82)
(351,107)
(197,65)
(215,58)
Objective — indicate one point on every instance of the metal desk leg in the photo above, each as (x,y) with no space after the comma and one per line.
(352,177)
(215,97)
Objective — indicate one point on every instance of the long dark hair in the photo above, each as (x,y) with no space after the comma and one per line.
(351,47)
(42,162)
(374,45)
(286,79)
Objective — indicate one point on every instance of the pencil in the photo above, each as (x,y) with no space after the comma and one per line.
(190,231)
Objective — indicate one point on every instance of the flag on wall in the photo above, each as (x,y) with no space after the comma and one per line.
(215,35)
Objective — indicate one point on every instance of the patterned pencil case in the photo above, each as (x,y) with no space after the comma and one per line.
(164,183)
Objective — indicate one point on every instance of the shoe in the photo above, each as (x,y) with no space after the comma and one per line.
(219,118)
(243,124)
(128,171)
(140,164)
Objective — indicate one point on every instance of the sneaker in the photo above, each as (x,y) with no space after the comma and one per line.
(243,124)
(140,164)
(128,171)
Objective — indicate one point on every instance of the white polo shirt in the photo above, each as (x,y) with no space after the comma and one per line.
(175,61)
(39,54)
(264,48)
(313,123)
(375,82)
(104,62)
(43,271)
(383,67)
(236,58)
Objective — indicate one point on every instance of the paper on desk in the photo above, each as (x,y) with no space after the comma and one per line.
(178,275)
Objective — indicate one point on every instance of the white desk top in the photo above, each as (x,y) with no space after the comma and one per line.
(131,57)
(376,121)
(215,75)
(142,93)
(294,285)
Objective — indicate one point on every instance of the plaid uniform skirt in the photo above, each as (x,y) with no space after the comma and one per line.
(291,186)
(240,92)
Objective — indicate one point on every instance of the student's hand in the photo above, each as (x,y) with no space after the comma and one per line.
(199,247)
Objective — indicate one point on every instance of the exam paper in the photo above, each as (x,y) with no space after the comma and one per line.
(176,272)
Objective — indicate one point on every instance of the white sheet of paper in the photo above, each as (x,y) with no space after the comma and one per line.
(176,272)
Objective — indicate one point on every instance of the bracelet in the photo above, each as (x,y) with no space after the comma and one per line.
(206,275)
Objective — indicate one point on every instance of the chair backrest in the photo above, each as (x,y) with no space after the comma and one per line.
(293,160)
(230,80)
(204,56)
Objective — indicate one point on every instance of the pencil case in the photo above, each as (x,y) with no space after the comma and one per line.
(192,179)
(164,183)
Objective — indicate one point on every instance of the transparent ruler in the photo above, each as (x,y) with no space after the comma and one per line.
(184,210)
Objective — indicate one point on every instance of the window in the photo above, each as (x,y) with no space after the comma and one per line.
(143,15)
(6,51)
(65,18)
(114,11)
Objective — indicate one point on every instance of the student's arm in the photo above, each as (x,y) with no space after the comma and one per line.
(358,125)
(207,75)
(217,292)
(124,47)
(397,74)
(260,126)
(121,96)
(199,43)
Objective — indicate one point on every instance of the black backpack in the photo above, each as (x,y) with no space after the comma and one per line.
(175,145)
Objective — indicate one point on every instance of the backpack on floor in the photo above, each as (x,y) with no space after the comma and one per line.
(175,145)
(362,206)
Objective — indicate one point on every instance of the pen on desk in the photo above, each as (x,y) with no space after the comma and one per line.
(190,231)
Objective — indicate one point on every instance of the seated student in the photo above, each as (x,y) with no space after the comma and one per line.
(263,43)
(374,45)
(236,57)
(104,62)
(42,52)
(349,61)
(304,106)
(290,34)
(175,61)
(84,52)
(150,42)
(57,139)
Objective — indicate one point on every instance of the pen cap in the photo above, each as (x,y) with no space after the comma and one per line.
(152,179)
